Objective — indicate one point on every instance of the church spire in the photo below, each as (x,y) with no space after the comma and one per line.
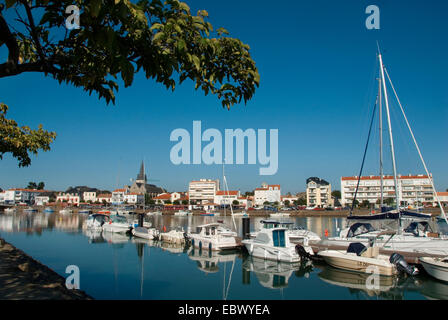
(142,176)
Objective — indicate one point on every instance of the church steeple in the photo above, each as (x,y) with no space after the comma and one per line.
(141,177)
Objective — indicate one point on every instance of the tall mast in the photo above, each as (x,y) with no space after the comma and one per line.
(418,149)
(391,139)
(381,141)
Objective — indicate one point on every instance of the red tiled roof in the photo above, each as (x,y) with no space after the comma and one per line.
(225,193)
(164,196)
(119,190)
(442,194)
(29,190)
(105,195)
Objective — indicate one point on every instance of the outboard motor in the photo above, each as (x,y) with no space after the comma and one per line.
(402,265)
(302,253)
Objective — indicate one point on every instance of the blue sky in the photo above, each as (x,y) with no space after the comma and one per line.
(317,65)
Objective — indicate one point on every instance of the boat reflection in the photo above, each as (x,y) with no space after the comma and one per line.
(174,248)
(391,288)
(273,274)
(207,260)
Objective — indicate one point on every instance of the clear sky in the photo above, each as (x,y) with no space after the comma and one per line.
(317,65)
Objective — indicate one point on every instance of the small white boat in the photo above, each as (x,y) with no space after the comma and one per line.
(240,214)
(146,233)
(368,261)
(65,211)
(95,221)
(183,213)
(274,244)
(211,237)
(48,210)
(154,213)
(85,211)
(145,224)
(295,233)
(435,267)
(279,215)
(176,236)
(117,224)
(29,210)
(10,210)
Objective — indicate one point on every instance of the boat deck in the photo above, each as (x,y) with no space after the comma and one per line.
(410,257)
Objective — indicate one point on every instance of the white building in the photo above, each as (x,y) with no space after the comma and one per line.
(291,199)
(318,193)
(104,197)
(269,193)
(18,195)
(89,196)
(71,198)
(443,197)
(412,189)
(41,200)
(203,191)
(226,197)
(134,198)
(118,196)
(163,198)
(245,202)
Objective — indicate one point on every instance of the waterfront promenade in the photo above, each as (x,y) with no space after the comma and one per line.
(23,278)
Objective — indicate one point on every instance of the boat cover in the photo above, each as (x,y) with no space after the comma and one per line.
(359,228)
(356,247)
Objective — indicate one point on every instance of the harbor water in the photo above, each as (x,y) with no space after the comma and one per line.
(118,266)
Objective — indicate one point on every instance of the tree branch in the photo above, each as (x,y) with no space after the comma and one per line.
(8,38)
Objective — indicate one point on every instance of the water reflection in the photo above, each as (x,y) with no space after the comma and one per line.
(121,266)
(273,274)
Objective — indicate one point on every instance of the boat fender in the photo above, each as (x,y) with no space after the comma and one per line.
(300,250)
(402,265)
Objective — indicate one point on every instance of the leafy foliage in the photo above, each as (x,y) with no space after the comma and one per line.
(118,38)
(20,141)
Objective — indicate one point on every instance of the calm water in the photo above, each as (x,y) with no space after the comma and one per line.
(116,266)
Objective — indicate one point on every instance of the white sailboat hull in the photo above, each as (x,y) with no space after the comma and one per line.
(268,252)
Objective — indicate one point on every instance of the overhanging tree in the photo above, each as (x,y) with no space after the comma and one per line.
(118,38)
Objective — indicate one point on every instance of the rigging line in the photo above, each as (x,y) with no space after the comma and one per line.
(416,145)
(364,156)
(230,279)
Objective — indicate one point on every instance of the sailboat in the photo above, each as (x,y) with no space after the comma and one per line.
(407,238)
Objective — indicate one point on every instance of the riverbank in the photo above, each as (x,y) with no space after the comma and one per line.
(23,278)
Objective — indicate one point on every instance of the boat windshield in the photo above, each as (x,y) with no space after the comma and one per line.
(119,219)
(359,228)
(417,227)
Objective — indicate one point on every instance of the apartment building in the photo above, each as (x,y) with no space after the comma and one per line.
(267,192)
(226,197)
(412,189)
(89,196)
(318,193)
(203,191)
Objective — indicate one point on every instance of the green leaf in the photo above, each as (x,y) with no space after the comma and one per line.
(95,6)
(197,62)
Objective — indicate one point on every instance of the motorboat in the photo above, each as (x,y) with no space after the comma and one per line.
(295,233)
(208,214)
(30,210)
(10,210)
(176,236)
(279,215)
(96,221)
(274,244)
(436,267)
(135,224)
(240,214)
(65,211)
(48,210)
(211,237)
(360,259)
(183,213)
(146,233)
(154,213)
(85,211)
(117,224)
(417,237)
